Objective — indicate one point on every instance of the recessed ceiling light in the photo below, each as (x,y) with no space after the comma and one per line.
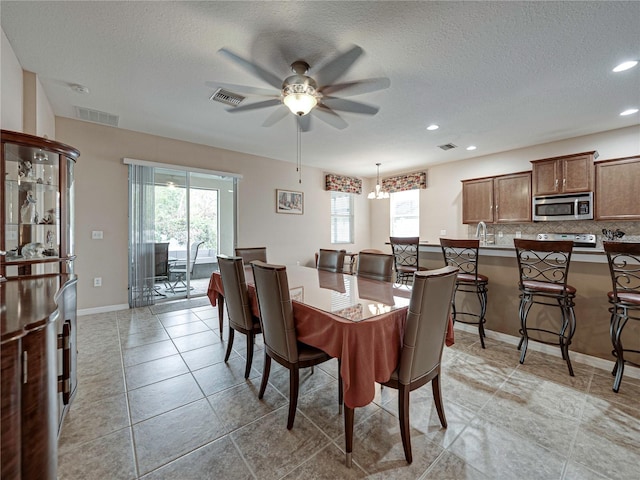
(471,147)
(625,66)
(433,127)
(630,111)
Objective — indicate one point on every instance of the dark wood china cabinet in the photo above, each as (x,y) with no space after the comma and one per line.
(37,301)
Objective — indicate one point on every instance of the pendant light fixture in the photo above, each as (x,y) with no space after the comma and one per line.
(378,193)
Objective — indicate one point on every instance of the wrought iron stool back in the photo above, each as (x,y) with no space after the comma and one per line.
(405,257)
(544,268)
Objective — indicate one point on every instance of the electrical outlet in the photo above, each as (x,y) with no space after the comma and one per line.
(443,232)
(97,282)
(518,234)
(500,235)
(97,235)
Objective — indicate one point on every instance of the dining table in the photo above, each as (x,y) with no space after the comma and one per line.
(356,319)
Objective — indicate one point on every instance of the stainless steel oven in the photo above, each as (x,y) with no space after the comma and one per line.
(577,206)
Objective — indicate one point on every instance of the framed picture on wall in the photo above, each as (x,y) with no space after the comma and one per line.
(288,201)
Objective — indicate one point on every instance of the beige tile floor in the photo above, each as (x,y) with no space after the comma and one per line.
(156,401)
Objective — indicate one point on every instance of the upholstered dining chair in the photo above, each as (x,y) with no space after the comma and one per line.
(331,260)
(406,257)
(236,297)
(377,266)
(250,254)
(424,336)
(279,333)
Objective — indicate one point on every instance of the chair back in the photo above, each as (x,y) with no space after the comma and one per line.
(377,266)
(543,262)
(193,255)
(276,311)
(426,324)
(462,254)
(405,251)
(331,260)
(161,254)
(236,294)
(250,254)
(624,265)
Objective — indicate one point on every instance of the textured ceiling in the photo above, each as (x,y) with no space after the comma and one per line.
(499,75)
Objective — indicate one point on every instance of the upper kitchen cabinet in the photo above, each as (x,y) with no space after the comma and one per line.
(566,174)
(477,200)
(617,187)
(36,205)
(500,199)
(512,195)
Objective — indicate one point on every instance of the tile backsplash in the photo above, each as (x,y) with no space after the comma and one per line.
(530,230)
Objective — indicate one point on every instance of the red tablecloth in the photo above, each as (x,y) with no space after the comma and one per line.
(369,350)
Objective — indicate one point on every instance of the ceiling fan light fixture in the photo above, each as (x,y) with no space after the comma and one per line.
(301,97)
(378,193)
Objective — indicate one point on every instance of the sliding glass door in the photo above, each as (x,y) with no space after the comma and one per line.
(191,219)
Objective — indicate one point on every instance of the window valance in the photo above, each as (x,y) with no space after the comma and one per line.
(401,183)
(343,184)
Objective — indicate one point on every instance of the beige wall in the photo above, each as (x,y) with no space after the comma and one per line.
(441,201)
(10,87)
(101,203)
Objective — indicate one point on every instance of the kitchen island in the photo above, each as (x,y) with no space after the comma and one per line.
(588,273)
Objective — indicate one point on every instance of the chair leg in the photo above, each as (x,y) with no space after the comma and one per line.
(247,368)
(220,313)
(482,297)
(229,344)
(525,306)
(265,375)
(348,433)
(437,397)
(340,387)
(294,381)
(405,430)
(618,322)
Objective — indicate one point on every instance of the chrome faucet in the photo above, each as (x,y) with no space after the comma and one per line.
(481,232)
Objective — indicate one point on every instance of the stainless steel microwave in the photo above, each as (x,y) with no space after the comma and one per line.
(551,208)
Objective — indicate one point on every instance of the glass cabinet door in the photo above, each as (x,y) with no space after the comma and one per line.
(37,205)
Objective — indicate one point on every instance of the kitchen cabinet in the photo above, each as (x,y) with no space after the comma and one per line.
(566,174)
(36,205)
(617,187)
(477,200)
(499,199)
(513,198)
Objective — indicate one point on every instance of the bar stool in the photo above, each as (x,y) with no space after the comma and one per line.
(463,254)
(624,265)
(544,267)
(406,257)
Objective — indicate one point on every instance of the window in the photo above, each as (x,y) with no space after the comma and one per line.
(405,213)
(341,217)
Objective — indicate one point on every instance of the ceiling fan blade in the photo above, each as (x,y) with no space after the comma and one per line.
(330,117)
(277,115)
(251,67)
(358,87)
(337,67)
(255,106)
(245,89)
(349,106)
(305,122)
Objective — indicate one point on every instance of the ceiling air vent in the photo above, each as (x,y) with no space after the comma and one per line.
(447,146)
(96,116)
(225,96)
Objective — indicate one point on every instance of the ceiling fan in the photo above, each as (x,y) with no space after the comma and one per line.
(302,94)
